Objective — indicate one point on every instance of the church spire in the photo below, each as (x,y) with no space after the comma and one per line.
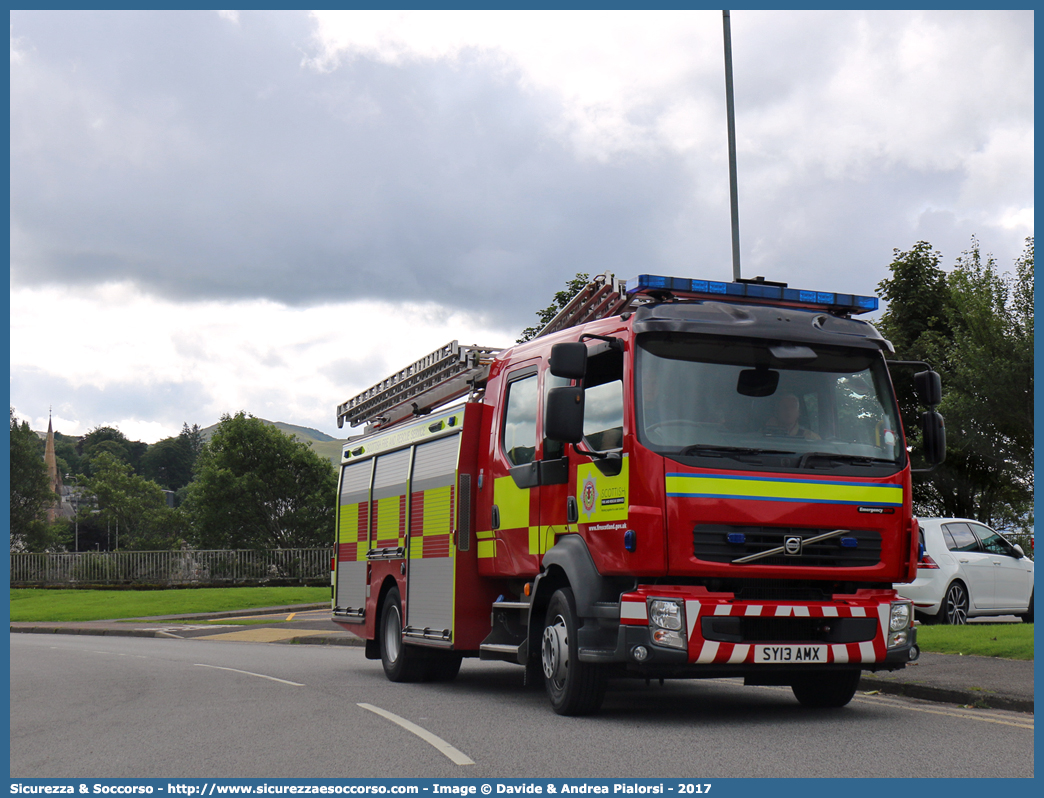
(54,477)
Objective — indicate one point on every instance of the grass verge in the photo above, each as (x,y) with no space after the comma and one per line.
(100,605)
(1006,640)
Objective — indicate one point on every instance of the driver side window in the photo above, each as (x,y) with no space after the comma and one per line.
(603,402)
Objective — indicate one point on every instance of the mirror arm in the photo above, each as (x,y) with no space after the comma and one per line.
(614,343)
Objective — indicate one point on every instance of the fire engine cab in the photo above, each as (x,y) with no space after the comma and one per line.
(676,478)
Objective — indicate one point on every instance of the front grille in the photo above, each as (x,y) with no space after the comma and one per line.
(758,629)
(711,543)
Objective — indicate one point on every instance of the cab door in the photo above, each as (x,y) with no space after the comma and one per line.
(515,471)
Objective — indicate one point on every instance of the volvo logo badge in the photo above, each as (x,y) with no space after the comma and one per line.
(792,545)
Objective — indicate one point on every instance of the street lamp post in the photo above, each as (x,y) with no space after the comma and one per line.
(74,500)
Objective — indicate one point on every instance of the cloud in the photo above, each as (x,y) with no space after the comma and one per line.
(142,363)
(442,156)
(271,210)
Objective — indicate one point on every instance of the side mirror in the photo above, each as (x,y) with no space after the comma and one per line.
(569,360)
(757,382)
(934,430)
(928,387)
(1019,551)
(564,413)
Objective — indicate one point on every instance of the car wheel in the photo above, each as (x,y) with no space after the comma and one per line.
(955,606)
(1027,616)
(574,687)
(826,690)
(402,663)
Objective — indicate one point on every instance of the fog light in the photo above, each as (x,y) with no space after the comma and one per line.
(896,639)
(640,653)
(900,618)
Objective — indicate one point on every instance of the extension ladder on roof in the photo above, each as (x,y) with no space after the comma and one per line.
(448,373)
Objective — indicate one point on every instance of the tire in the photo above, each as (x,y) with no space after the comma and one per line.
(444,666)
(828,690)
(954,610)
(1027,616)
(402,663)
(574,687)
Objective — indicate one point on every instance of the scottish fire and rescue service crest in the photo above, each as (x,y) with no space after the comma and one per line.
(589,495)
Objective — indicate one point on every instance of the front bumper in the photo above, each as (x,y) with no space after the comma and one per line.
(726,636)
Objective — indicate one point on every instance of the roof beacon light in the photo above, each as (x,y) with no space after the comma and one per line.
(751,291)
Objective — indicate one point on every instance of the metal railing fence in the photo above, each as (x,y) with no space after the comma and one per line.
(172,567)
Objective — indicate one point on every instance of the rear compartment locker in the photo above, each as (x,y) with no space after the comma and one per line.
(353,542)
(429,604)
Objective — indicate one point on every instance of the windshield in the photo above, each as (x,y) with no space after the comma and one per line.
(782,405)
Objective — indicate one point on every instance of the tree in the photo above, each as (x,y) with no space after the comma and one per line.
(975,326)
(31,492)
(133,504)
(256,487)
(561,300)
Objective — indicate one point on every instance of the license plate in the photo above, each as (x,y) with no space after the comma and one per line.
(790,654)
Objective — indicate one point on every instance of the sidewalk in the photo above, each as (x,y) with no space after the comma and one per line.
(986,682)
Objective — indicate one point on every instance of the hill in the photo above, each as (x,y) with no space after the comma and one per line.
(322,444)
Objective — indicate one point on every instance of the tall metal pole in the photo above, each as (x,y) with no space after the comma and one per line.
(730,111)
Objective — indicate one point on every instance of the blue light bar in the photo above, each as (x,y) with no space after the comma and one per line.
(736,537)
(850,543)
(758,292)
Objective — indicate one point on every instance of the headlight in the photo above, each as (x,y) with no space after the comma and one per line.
(900,618)
(665,614)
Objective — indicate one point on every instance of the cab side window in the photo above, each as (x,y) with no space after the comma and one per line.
(519,439)
(603,402)
(553,449)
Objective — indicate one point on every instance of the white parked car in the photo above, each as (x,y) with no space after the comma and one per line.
(968,570)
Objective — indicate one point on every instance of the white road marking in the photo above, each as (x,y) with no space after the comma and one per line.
(249,673)
(443,747)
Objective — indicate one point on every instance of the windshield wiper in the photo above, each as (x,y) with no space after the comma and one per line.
(710,450)
(846,459)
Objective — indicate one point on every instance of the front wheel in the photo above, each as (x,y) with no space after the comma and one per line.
(955,606)
(401,662)
(826,690)
(1027,616)
(444,666)
(574,687)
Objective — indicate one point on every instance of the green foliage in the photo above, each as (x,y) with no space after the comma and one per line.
(169,462)
(256,487)
(65,453)
(99,605)
(561,300)
(31,493)
(137,505)
(975,327)
(1007,640)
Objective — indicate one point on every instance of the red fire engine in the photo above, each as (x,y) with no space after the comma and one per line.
(677,478)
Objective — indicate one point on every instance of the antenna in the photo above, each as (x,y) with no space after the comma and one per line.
(730,111)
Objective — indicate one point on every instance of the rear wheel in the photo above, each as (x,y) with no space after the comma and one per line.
(574,687)
(955,606)
(826,690)
(401,662)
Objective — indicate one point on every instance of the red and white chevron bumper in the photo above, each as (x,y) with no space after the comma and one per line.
(778,648)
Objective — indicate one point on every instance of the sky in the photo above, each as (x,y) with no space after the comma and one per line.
(216,211)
